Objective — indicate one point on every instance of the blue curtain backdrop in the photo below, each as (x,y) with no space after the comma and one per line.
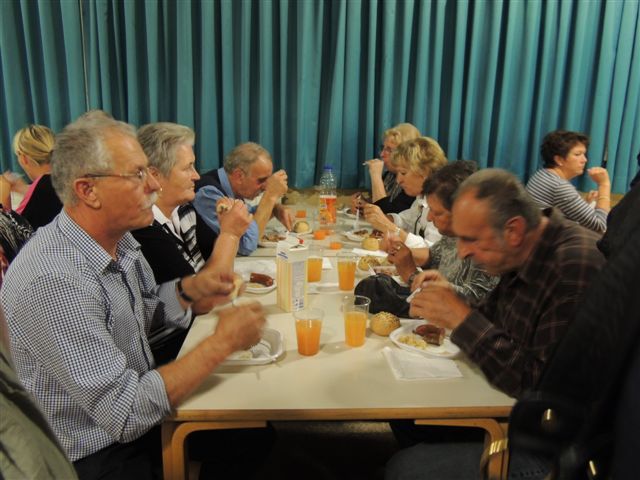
(317,82)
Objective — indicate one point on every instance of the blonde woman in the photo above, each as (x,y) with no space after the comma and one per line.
(414,161)
(33,146)
(385,191)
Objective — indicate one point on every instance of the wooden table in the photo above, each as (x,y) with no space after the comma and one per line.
(339,383)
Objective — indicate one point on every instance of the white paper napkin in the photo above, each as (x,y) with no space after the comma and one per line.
(362,252)
(413,366)
(326,264)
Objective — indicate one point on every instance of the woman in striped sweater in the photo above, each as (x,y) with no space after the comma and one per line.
(564,156)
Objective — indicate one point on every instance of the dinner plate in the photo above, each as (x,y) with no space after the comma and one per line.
(356,238)
(448,349)
(269,244)
(266,351)
(253,288)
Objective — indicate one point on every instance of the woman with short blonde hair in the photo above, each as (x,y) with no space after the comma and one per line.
(415,161)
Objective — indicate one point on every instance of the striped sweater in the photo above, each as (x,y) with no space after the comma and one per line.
(549,190)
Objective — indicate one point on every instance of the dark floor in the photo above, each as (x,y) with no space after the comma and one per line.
(330,451)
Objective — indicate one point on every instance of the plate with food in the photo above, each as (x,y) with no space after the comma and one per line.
(425,339)
(271,239)
(357,235)
(260,283)
(267,350)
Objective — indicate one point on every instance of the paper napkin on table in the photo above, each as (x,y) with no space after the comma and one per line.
(413,366)
(326,264)
(371,253)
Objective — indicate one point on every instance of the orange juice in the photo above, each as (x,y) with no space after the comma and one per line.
(355,327)
(335,245)
(314,269)
(328,211)
(308,334)
(301,214)
(346,274)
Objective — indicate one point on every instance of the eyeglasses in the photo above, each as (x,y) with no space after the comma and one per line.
(140,174)
(386,149)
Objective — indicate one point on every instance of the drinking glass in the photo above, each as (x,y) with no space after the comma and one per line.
(308,328)
(355,309)
(314,263)
(346,270)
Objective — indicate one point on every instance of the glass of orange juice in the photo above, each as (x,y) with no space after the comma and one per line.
(314,263)
(346,270)
(308,327)
(356,311)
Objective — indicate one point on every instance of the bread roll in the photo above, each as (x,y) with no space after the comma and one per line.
(383,323)
(371,243)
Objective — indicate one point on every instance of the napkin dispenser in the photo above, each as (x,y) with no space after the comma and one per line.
(291,275)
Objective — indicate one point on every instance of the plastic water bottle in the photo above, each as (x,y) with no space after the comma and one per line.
(328,197)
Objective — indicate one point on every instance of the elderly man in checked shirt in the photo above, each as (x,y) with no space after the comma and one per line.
(81,299)
(545,263)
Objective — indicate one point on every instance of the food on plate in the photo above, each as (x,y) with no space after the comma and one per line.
(385,269)
(361,233)
(273,237)
(383,323)
(430,333)
(412,340)
(301,227)
(261,279)
(371,243)
(376,234)
(369,261)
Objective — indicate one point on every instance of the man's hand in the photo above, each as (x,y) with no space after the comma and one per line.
(236,219)
(276,185)
(240,327)
(427,276)
(439,303)
(400,255)
(355,201)
(376,217)
(284,215)
(209,284)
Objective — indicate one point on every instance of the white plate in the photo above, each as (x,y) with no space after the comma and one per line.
(448,349)
(356,238)
(266,351)
(261,289)
(268,244)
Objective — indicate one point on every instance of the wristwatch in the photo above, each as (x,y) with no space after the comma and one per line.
(182,293)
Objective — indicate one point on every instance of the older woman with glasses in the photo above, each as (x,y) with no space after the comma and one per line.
(385,191)
(178,242)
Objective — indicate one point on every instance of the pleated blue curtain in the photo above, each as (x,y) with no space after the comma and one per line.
(317,82)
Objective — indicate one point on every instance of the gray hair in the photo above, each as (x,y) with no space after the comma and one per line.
(81,148)
(160,141)
(506,196)
(243,156)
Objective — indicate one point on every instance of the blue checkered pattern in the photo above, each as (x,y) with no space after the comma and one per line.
(78,323)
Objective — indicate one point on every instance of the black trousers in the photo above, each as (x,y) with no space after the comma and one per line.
(225,454)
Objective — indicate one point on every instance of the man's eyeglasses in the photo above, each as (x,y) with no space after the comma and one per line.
(140,174)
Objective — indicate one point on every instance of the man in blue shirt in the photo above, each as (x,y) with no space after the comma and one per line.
(81,299)
(247,173)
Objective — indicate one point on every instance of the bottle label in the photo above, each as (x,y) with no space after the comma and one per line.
(327,212)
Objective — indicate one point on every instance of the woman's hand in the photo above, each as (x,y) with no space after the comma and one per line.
(235,219)
(599,175)
(376,167)
(400,256)
(376,217)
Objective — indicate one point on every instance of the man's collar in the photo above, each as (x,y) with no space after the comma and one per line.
(127,248)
